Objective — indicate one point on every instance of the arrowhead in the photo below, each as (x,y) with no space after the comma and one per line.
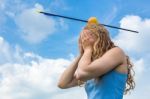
(39,11)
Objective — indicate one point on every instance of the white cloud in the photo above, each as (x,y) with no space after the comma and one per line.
(34,77)
(74,93)
(35,26)
(31,81)
(9,53)
(139,66)
(32,26)
(5,53)
(35,80)
(11,11)
(137,43)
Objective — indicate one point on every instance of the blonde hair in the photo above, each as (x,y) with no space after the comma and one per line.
(103,44)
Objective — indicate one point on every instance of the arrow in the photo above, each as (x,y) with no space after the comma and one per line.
(76,19)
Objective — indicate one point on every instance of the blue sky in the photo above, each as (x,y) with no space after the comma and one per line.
(31,43)
(108,12)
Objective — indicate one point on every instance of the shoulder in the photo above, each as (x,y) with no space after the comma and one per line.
(115,51)
(115,54)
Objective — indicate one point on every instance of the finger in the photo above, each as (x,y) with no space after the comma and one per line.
(82,35)
(89,34)
(86,36)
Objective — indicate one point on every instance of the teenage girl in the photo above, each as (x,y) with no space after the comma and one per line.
(102,67)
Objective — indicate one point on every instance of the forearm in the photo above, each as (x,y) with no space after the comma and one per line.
(68,74)
(83,64)
(85,60)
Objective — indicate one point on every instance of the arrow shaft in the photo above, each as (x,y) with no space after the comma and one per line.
(50,14)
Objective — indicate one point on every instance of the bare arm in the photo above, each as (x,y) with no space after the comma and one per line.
(83,63)
(67,78)
(88,70)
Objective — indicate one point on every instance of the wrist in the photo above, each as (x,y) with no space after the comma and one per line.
(88,52)
(88,49)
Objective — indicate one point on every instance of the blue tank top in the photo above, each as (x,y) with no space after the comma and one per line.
(109,86)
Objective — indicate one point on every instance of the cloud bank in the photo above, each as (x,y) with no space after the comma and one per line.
(35,26)
(34,77)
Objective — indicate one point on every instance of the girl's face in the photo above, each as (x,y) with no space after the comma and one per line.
(88,38)
(88,35)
